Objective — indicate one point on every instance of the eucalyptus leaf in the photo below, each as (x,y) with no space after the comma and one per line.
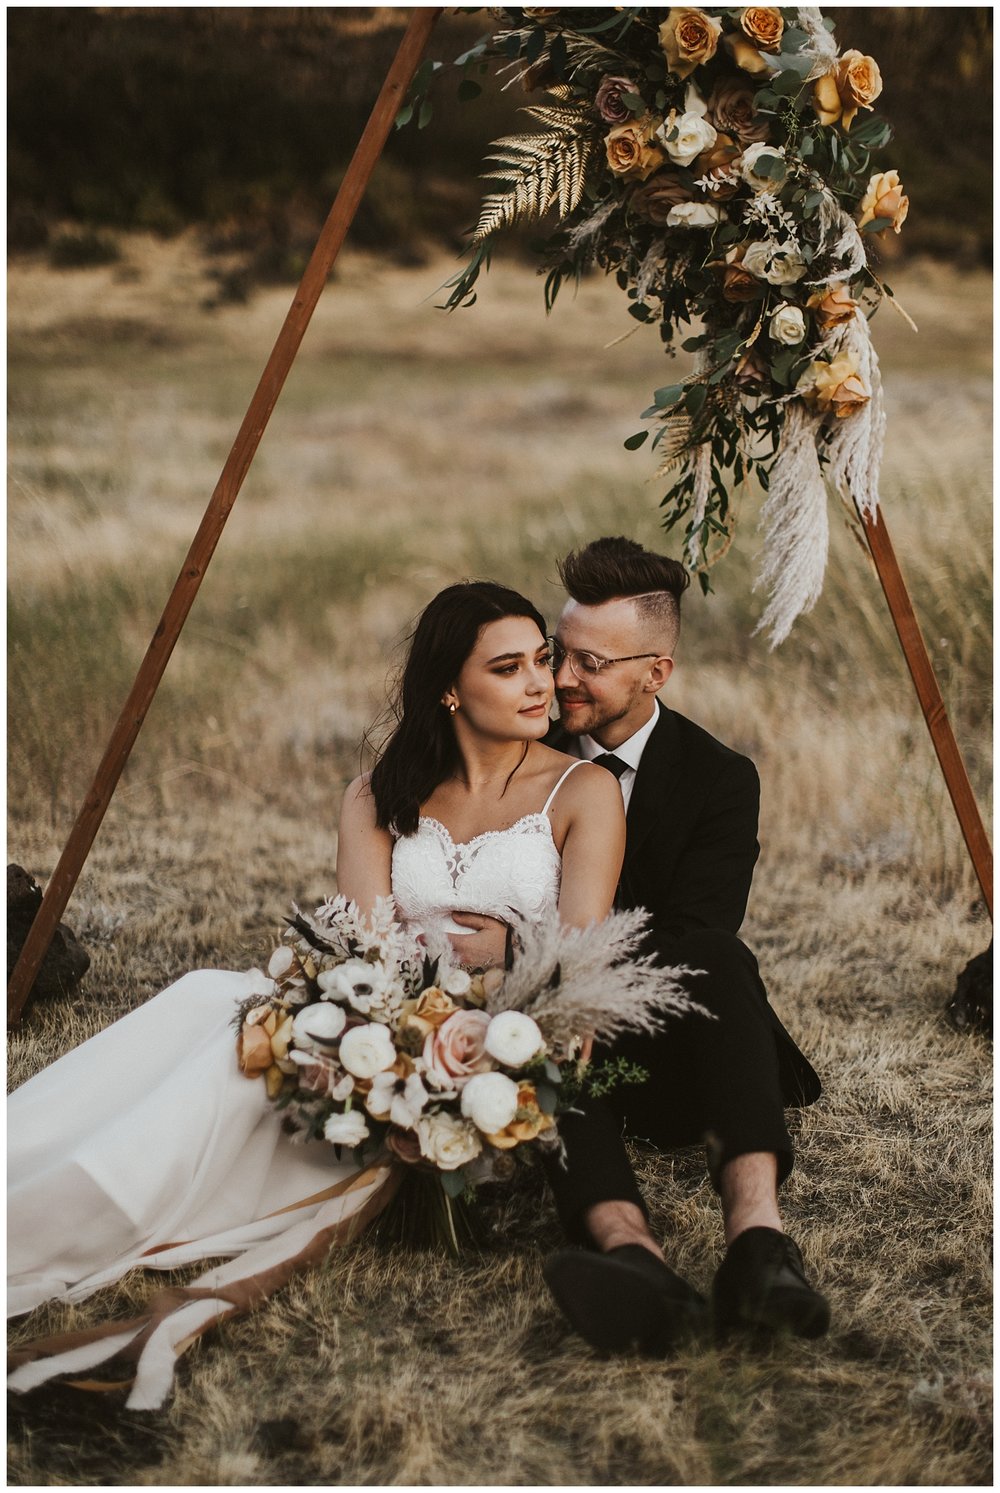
(787,82)
(793,39)
(694,399)
(547,1098)
(424,117)
(877,225)
(667,396)
(635,441)
(552,1072)
(404,116)
(453,1183)
(468,89)
(634,101)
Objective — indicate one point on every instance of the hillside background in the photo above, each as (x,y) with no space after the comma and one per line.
(241,121)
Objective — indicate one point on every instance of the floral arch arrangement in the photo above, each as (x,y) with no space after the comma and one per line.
(717,161)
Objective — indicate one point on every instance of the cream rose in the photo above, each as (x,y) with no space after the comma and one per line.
(489,1100)
(346,1130)
(684,136)
(317,1028)
(688,38)
(513,1039)
(834,388)
(456,1049)
(855,83)
(632,153)
(832,307)
(693,215)
(884,198)
(447,1141)
(367,1050)
(787,325)
(785,268)
(759,180)
(763,25)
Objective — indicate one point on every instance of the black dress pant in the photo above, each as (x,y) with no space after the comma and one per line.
(713,1078)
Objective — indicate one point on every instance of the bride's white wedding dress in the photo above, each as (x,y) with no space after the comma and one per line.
(148,1146)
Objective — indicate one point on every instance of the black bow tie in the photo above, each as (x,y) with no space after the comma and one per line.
(612,763)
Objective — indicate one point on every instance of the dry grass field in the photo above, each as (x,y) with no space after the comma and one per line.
(410,449)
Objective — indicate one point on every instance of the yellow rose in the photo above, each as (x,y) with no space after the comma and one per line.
(631,150)
(745,56)
(688,37)
(832,307)
(834,388)
(884,199)
(764,26)
(528,1122)
(855,83)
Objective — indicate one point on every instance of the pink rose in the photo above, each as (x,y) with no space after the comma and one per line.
(456,1050)
(608,99)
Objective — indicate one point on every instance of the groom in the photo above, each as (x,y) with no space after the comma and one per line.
(724,1079)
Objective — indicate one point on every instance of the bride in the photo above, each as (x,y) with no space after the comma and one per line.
(146,1145)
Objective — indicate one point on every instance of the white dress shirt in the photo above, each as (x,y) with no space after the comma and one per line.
(629,752)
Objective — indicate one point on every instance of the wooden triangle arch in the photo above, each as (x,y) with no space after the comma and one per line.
(328,245)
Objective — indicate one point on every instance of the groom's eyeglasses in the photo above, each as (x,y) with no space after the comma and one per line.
(586,665)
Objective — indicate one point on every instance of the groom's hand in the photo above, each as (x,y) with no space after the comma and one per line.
(485,947)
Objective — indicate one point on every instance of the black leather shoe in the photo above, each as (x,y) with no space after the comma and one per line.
(762,1284)
(626,1300)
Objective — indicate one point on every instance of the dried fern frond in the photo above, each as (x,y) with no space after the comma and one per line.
(539,170)
(675,440)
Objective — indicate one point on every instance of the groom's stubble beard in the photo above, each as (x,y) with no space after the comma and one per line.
(596,714)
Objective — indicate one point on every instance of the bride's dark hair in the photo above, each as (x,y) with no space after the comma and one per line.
(422,751)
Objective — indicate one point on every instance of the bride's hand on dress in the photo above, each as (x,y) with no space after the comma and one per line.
(485,946)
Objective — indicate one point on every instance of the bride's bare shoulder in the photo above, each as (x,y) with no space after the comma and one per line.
(358,807)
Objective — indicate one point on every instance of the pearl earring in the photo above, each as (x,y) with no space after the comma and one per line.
(452,707)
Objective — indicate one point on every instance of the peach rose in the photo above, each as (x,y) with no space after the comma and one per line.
(688,38)
(764,26)
(738,284)
(884,199)
(253,1050)
(716,163)
(529,1121)
(834,388)
(455,1050)
(832,307)
(427,1013)
(855,83)
(631,150)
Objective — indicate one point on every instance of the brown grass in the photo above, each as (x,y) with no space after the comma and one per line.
(409,449)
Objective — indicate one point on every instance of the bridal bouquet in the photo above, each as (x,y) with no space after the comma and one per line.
(370,1041)
(717,161)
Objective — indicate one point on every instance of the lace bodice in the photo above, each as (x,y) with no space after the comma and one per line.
(504,873)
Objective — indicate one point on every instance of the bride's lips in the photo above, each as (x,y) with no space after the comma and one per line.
(534,710)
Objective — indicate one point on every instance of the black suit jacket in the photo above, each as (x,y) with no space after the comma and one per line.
(690,851)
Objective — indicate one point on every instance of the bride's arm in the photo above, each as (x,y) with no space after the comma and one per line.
(364,852)
(593,847)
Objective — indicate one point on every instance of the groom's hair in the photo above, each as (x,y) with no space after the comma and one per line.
(617,569)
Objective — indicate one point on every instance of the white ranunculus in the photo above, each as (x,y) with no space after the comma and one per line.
(786,266)
(280,962)
(748,164)
(489,1100)
(367,1050)
(513,1039)
(346,1130)
(685,136)
(317,1028)
(788,325)
(693,215)
(457,983)
(362,984)
(447,1141)
(755,259)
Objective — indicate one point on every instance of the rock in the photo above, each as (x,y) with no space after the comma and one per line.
(971,1007)
(66,962)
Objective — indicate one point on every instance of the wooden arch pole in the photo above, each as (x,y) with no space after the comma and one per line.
(931,703)
(328,245)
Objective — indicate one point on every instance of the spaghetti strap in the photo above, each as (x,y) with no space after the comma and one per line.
(548,802)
